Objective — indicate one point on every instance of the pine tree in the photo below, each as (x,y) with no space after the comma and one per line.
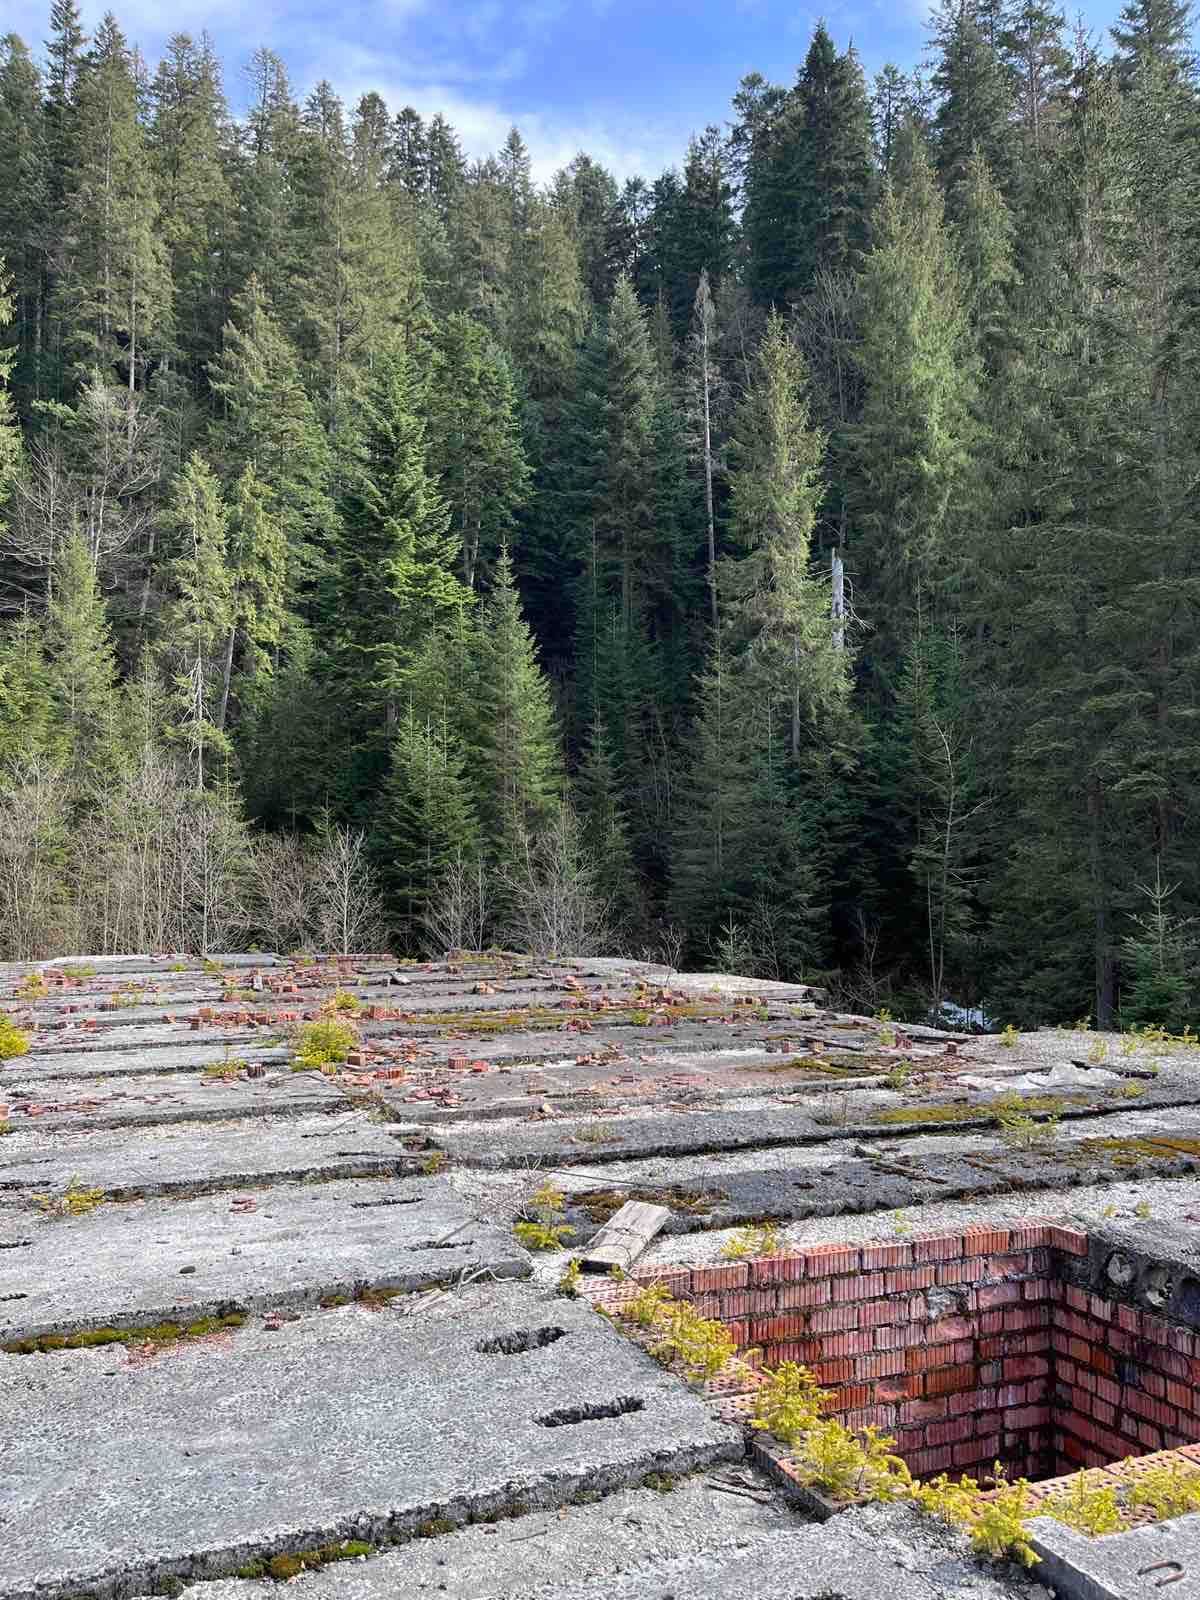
(909,450)
(10,438)
(836,178)
(267,423)
(475,447)
(974,97)
(267,247)
(114,292)
(82,673)
(200,612)
(424,823)
(624,509)
(1154,33)
(516,762)
(604,833)
(778,611)
(258,566)
(190,140)
(24,211)
(395,577)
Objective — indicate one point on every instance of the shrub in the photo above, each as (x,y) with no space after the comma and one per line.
(14,1041)
(321,1045)
(760,1239)
(789,1402)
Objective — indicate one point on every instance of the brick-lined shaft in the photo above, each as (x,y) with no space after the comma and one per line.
(967,1347)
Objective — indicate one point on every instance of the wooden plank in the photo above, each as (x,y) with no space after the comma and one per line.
(624,1236)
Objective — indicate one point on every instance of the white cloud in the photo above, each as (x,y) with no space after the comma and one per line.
(471,60)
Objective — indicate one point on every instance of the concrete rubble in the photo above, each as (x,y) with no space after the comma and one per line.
(253,1316)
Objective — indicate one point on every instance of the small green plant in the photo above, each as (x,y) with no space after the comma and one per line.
(1170,1490)
(342,1003)
(320,1046)
(1087,1506)
(78,972)
(618,1272)
(887,1038)
(640,1019)
(230,1067)
(759,1239)
(700,1346)
(900,1076)
(995,1523)
(568,1284)
(900,1224)
(210,966)
(1130,1043)
(789,1402)
(851,1466)
(543,1235)
(596,1133)
(1009,1037)
(1109,1211)
(75,1201)
(543,1230)
(1130,1091)
(884,1015)
(433,1162)
(1018,1129)
(1143,1210)
(33,987)
(647,1305)
(1098,1052)
(5,1127)
(14,1041)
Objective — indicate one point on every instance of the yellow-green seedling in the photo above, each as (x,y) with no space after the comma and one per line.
(322,1046)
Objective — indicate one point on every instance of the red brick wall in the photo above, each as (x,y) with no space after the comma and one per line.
(966,1347)
(1126,1382)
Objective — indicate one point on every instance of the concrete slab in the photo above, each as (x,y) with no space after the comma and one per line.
(55,1066)
(1120,1566)
(889,1180)
(572,1143)
(543,1550)
(190,1158)
(133,1265)
(340,1425)
(144,1101)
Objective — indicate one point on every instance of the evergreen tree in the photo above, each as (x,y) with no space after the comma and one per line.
(190,139)
(974,97)
(1154,33)
(424,823)
(114,291)
(24,211)
(200,612)
(909,449)
(267,423)
(475,447)
(516,762)
(395,577)
(82,670)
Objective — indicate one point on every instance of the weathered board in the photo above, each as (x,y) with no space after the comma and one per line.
(624,1236)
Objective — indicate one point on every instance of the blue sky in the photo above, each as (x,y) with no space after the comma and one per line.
(626,80)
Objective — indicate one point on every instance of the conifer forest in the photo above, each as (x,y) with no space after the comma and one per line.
(788,563)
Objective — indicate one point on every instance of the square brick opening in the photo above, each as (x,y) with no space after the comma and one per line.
(1032,1345)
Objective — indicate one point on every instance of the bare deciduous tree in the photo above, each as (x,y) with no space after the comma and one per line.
(556,908)
(460,911)
(349,909)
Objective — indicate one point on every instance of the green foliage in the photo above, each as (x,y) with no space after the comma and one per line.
(788,1403)
(850,1466)
(321,1046)
(1086,1506)
(540,1228)
(994,1520)
(14,1041)
(760,1239)
(75,1201)
(568,1283)
(1009,1037)
(1169,1490)
(700,1346)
